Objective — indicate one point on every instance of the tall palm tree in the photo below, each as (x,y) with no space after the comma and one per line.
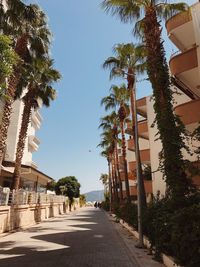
(147,15)
(119,97)
(39,88)
(108,141)
(108,145)
(104,178)
(129,60)
(106,154)
(110,124)
(28,27)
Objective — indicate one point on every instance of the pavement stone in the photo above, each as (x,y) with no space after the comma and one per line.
(85,238)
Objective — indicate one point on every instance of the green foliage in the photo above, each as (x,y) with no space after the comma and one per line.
(196,137)
(82,200)
(128,212)
(51,185)
(104,178)
(106,204)
(8,58)
(68,186)
(147,173)
(175,232)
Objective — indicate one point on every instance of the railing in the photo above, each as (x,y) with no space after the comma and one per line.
(22,197)
(4,196)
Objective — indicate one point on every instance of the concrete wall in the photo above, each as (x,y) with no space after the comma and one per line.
(19,216)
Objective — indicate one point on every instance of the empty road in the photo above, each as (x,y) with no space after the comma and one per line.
(86,238)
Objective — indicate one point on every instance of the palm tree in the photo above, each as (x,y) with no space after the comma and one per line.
(110,123)
(105,181)
(129,60)
(106,154)
(28,27)
(39,88)
(147,15)
(108,137)
(119,97)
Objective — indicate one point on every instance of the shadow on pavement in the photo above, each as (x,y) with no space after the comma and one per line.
(73,242)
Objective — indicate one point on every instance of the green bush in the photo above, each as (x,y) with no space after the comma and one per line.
(175,232)
(128,212)
(106,204)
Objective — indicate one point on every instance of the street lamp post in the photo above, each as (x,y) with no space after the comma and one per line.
(138,176)
(137,156)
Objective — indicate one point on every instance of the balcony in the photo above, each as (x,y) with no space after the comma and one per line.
(132,176)
(189,112)
(36,119)
(180,30)
(184,61)
(131,144)
(142,106)
(33,143)
(142,129)
(147,185)
(145,159)
(184,67)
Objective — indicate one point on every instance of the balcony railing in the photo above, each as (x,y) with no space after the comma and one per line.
(178,20)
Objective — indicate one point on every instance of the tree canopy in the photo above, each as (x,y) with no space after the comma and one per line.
(68,186)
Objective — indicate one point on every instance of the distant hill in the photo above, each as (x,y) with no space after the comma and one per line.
(95,196)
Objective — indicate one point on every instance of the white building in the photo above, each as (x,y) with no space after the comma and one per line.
(31,177)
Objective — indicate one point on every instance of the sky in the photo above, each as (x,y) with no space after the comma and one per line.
(83,37)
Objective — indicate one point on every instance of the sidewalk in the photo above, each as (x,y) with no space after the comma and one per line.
(86,238)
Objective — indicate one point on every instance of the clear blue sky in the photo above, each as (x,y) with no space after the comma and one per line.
(83,38)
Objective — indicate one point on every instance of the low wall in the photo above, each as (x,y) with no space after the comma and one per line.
(19,216)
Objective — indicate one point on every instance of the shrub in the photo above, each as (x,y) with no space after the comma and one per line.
(128,212)
(106,204)
(175,232)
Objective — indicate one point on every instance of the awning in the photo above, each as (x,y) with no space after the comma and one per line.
(27,172)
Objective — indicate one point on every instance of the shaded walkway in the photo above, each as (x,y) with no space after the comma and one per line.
(84,239)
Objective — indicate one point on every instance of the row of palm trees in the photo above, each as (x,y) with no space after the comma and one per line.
(129,60)
(32,76)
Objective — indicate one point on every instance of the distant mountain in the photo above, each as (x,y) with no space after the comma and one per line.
(95,196)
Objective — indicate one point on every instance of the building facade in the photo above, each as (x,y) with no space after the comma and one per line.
(184,31)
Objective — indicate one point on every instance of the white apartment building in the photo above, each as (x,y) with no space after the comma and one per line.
(31,177)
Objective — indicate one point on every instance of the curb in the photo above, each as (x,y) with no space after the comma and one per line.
(167,260)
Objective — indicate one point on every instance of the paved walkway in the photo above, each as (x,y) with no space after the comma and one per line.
(87,238)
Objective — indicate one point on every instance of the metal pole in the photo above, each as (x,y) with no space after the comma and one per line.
(139,191)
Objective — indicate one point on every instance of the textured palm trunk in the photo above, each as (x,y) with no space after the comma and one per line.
(116,176)
(133,101)
(20,49)
(110,183)
(125,162)
(114,182)
(118,172)
(172,163)
(22,139)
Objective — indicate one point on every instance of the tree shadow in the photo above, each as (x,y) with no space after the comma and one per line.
(80,245)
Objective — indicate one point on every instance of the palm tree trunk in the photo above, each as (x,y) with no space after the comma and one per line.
(131,83)
(172,163)
(22,139)
(116,175)
(114,183)
(125,162)
(20,49)
(118,172)
(110,184)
